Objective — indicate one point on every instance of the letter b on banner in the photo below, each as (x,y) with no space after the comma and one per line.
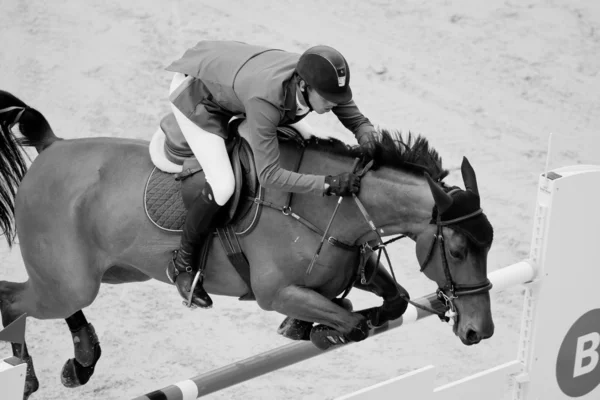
(578,361)
(586,354)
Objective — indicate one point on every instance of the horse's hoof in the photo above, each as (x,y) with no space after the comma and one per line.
(85,341)
(325,337)
(74,374)
(31,386)
(373,316)
(31,381)
(360,332)
(295,329)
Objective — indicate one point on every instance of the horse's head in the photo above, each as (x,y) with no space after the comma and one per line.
(452,251)
(451,244)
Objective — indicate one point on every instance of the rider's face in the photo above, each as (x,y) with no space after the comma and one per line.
(318,103)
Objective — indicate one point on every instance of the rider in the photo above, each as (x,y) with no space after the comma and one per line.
(217,80)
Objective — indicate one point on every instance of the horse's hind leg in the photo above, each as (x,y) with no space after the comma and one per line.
(55,290)
(78,371)
(11,294)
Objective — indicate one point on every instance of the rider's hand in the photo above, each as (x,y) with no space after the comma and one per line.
(367,142)
(342,185)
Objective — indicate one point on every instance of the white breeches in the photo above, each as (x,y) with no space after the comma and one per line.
(209,149)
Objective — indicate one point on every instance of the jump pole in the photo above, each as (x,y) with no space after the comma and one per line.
(281,357)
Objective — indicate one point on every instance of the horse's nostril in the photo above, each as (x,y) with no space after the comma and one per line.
(472,336)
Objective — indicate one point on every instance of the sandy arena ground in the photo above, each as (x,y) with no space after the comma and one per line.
(489,80)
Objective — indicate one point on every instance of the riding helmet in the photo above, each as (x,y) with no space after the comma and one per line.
(325,69)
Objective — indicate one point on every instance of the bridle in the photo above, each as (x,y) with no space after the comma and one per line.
(451,291)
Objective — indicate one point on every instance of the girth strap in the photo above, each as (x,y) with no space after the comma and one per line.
(236,256)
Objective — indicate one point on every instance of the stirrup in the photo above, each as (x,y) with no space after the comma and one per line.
(189,303)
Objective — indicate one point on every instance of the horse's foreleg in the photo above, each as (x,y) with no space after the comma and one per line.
(338,324)
(383,285)
(78,371)
(297,329)
(11,297)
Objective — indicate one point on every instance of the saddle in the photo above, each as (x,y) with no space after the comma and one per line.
(167,196)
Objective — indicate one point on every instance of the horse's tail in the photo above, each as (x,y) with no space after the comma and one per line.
(36,132)
(32,124)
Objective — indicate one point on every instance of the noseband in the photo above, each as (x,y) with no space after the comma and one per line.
(451,291)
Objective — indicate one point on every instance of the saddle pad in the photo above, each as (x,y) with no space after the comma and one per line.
(163,202)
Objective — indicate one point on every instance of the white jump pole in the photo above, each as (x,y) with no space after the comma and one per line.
(293,353)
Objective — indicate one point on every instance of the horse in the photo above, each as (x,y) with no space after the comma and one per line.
(80,221)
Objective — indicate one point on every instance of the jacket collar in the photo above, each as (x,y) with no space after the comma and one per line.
(289,102)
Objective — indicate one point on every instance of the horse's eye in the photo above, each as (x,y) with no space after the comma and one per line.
(458,254)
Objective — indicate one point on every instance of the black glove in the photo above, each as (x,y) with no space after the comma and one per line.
(369,151)
(367,143)
(342,185)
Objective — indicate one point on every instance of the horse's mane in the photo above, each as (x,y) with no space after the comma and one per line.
(413,154)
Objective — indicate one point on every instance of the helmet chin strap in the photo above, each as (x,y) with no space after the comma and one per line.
(305,93)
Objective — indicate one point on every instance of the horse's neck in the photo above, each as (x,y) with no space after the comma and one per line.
(397,202)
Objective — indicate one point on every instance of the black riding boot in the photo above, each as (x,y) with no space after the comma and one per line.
(183,267)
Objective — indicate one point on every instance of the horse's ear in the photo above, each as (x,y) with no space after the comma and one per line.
(443,200)
(468,175)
